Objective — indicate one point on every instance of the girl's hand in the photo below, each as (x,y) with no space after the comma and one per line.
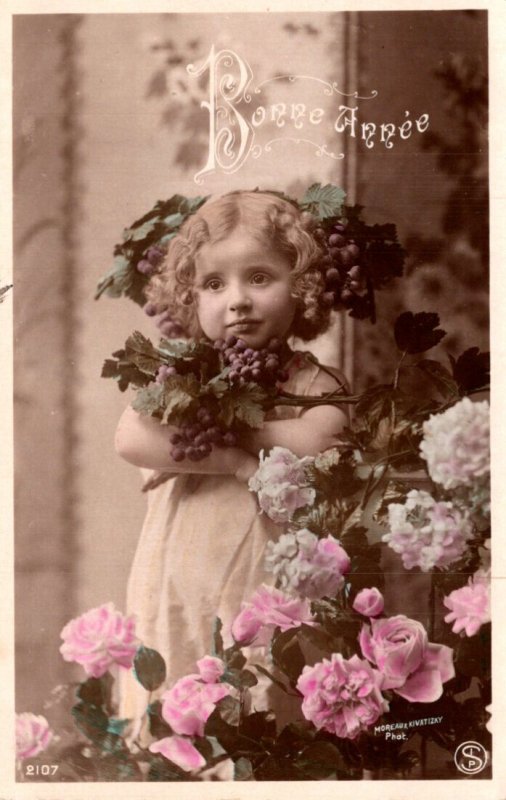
(247,468)
(144,442)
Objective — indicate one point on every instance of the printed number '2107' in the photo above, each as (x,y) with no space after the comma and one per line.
(41,769)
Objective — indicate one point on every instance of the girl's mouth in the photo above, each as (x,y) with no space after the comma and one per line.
(243,324)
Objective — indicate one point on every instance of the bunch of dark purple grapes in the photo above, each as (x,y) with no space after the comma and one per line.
(252,366)
(168,326)
(151,261)
(345,281)
(195,440)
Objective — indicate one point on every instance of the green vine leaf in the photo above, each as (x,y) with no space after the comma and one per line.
(149,668)
(440,377)
(243,770)
(149,401)
(395,492)
(244,405)
(323,201)
(471,370)
(179,393)
(415,333)
(117,281)
(155,227)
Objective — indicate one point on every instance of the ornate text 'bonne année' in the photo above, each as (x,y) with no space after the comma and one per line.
(233,126)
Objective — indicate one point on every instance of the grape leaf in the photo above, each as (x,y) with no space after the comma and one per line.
(188,349)
(415,333)
(440,377)
(180,391)
(138,233)
(173,220)
(141,352)
(217,386)
(395,492)
(323,201)
(189,205)
(116,281)
(384,261)
(156,226)
(244,404)
(471,370)
(149,400)
(322,519)
(249,412)
(376,404)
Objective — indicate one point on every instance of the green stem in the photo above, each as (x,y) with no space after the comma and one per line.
(432,607)
(310,401)
(313,360)
(396,376)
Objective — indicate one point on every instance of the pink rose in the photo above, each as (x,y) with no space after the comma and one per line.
(270,607)
(246,626)
(410,665)
(211,669)
(281,485)
(180,751)
(100,638)
(342,696)
(190,702)
(469,606)
(33,735)
(369,602)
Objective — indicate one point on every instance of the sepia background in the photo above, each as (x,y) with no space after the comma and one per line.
(106,122)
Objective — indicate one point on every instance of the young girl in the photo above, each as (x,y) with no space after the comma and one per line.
(244,265)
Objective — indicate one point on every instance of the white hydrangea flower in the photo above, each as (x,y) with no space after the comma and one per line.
(281,485)
(427,533)
(456,444)
(307,565)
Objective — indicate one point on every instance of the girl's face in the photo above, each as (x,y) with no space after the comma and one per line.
(243,288)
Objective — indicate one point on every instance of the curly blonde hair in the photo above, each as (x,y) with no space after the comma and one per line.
(270,219)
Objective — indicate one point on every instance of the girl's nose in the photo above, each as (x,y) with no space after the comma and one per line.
(239,299)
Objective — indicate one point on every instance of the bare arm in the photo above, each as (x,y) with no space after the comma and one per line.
(144,442)
(316,429)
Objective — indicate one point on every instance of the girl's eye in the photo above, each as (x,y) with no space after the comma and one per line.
(259,278)
(213,284)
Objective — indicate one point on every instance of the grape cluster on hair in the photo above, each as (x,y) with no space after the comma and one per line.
(290,232)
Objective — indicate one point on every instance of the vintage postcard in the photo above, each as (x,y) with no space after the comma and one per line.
(248,507)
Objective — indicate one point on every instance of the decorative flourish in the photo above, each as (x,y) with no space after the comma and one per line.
(321,149)
(330,88)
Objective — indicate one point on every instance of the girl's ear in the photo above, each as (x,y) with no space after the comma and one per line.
(187,298)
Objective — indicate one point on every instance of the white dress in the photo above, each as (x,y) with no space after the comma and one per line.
(200,554)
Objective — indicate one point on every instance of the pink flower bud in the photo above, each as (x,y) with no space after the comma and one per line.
(369,602)
(180,751)
(211,669)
